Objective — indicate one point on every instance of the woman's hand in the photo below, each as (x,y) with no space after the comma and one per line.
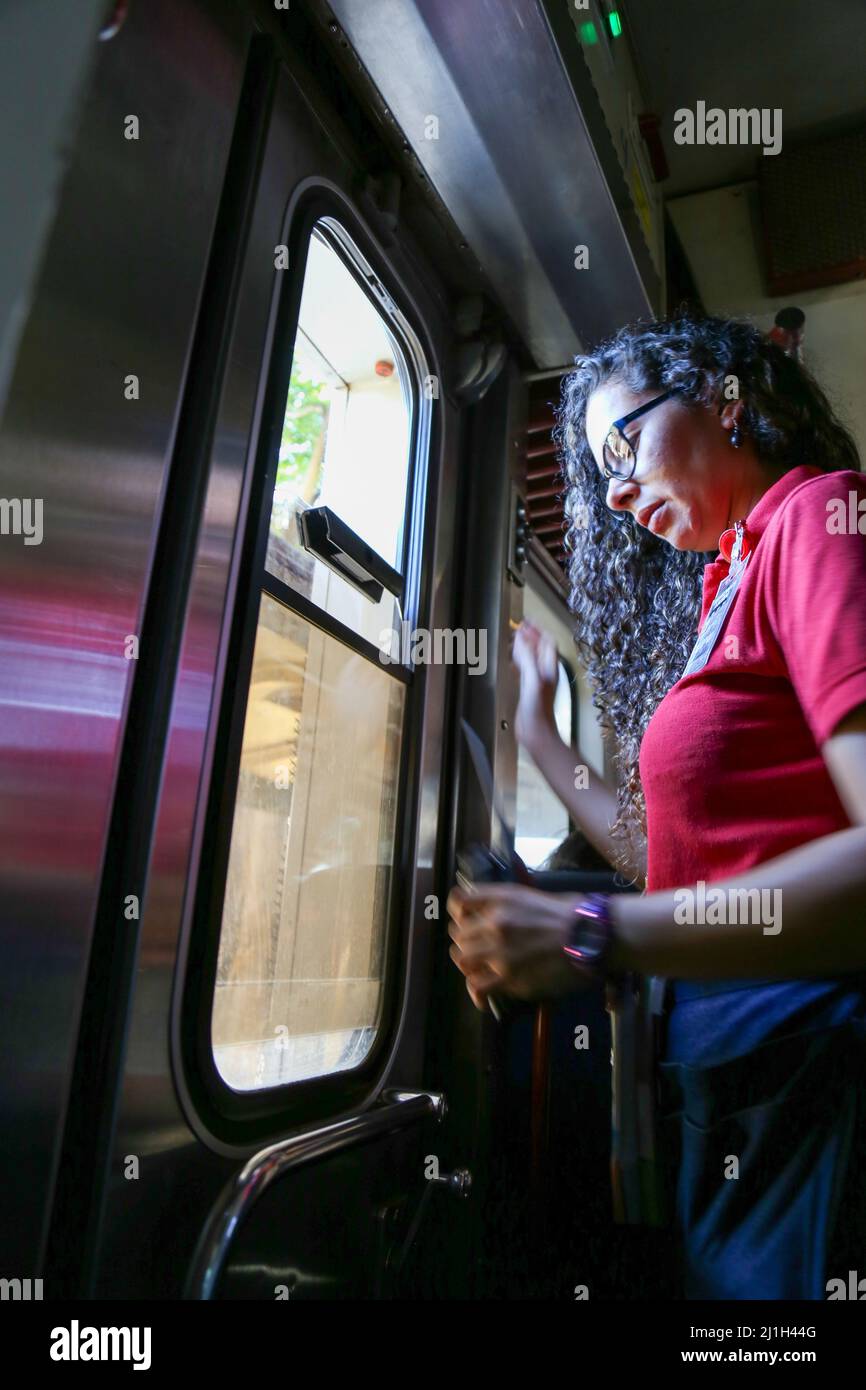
(535,656)
(508,939)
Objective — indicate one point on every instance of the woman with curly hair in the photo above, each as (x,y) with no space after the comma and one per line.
(717,545)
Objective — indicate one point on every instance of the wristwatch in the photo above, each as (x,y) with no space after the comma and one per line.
(590,935)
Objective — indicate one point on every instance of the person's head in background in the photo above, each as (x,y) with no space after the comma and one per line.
(739,414)
(576,852)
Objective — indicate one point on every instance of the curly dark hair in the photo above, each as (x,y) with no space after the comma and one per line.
(636,599)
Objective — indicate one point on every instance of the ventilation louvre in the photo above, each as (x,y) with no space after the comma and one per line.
(545,485)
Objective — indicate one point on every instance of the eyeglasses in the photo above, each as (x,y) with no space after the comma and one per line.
(617,445)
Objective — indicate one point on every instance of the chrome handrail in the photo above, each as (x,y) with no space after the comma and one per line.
(233,1206)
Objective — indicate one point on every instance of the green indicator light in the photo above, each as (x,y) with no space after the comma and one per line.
(615,23)
(587,33)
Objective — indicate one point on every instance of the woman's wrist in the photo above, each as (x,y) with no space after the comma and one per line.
(538,734)
(623,954)
(595,941)
(646,938)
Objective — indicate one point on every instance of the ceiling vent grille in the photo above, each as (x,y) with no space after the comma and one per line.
(813,203)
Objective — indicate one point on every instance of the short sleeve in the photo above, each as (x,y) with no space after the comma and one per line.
(815,592)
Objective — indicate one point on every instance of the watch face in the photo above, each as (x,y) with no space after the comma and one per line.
(587,948)
(588,938)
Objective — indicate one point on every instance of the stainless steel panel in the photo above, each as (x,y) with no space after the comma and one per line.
(45,55)
(117,295)
(512,159)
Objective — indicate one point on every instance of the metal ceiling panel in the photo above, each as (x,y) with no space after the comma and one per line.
(511,156)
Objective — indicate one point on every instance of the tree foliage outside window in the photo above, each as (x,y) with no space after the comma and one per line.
(302,445)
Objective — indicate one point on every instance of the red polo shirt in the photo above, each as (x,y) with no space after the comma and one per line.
(730,762)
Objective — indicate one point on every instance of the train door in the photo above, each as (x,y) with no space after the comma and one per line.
(279,1086)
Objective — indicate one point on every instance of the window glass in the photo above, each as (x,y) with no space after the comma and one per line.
(299,987)
(299,979)
(542,820)
(345,441)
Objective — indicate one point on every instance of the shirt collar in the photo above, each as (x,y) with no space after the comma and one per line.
(756,521)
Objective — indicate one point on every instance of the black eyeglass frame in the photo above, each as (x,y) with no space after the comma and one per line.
(620,447)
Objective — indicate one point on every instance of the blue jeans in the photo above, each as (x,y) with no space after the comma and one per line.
(767,1130)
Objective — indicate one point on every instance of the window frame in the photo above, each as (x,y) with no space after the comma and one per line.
(571,673)
(554,599)
(571,677)
(246,1116)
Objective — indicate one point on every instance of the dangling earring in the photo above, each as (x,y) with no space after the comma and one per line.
(735,437)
